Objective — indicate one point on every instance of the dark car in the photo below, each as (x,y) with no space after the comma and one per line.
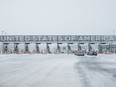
(92,53)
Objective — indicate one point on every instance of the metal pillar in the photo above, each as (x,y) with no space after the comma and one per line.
(79,47)
(58,47)
(100,48)
(89,47)
(48,48)
(69,50)
(37,48)
(16,49)
(27,47)
(5,47)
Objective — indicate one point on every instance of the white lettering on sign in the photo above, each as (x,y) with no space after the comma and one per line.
(56,38)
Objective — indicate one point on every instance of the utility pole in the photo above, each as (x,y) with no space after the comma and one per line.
(113,31)
(2,43)
(2,34)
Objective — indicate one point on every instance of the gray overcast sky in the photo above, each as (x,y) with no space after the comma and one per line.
(58,16)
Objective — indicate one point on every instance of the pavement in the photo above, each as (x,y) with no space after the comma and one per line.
(57,70)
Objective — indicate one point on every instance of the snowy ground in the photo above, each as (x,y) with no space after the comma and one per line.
(57,71)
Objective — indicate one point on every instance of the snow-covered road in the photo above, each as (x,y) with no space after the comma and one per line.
(61,70)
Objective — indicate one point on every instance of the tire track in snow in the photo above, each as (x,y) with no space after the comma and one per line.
(45,71)
(92,67)
(82,75)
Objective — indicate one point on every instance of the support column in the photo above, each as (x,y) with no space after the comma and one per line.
(27,47)
(79,47)
(89,47)
(58,47)
(16,48)
(37,48)
(69,48)
(5,47)
(48,48)
(100,48)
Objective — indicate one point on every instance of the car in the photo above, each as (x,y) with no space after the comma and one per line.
(79,53)
(92,53)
